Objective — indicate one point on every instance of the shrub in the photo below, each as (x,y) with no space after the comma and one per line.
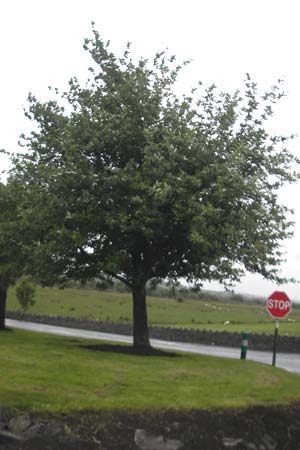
(25,292)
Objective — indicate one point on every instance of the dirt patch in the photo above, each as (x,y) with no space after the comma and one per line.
(265,381)
(256,428)
(182,373)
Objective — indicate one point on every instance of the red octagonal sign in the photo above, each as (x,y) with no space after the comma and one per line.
(278,305)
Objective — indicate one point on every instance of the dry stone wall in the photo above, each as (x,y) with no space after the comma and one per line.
(256,341)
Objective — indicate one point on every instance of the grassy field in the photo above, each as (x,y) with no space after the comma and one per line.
(113,306)
(43,372)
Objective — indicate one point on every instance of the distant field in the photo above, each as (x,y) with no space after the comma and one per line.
(117,307)
(43,372)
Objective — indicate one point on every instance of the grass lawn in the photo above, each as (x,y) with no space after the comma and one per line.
(51,373)
(113,306)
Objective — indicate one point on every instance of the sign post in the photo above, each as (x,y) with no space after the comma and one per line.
(278,306)
(275,343)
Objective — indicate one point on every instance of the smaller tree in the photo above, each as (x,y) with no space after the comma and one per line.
(25,292)
(14,242)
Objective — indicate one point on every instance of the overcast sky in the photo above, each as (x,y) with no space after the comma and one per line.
(41,45)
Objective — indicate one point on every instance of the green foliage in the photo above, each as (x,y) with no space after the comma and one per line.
(25,292)
(103,285)
(128,179)
(9,234)
(15,240)
(16,232)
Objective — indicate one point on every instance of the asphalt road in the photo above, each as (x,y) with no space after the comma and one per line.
(287,361)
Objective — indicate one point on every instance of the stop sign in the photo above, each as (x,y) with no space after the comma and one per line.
(278,305)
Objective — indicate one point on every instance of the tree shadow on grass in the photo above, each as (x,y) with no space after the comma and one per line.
(6,329)
(127,350)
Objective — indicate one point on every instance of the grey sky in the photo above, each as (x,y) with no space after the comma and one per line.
(41,45)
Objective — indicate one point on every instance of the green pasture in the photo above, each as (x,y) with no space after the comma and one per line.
(43,372)
(117,307)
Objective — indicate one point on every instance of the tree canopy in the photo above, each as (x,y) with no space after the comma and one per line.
(128,180)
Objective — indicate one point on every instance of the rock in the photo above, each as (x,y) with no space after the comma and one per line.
(148,441)
(251,446)
(53,428)
(67,430)
(5,413)
(6,438)
(19,424)
(231,442)
(32,430)
(268,442)
(59,443)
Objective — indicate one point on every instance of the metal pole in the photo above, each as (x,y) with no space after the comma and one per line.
(244,347)
(275,342)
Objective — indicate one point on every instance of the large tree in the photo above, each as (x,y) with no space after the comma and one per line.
(131,181)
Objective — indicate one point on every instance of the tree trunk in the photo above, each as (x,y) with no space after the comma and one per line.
(3,295)
(140,321)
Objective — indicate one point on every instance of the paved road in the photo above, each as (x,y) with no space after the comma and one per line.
(287,361)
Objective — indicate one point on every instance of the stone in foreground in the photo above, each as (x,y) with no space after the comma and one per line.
(148,441)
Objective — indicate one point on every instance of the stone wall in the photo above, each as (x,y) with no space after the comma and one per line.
(224,338)
(256,428)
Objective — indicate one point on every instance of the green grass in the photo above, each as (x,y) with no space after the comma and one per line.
(43,372)
(113,306)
